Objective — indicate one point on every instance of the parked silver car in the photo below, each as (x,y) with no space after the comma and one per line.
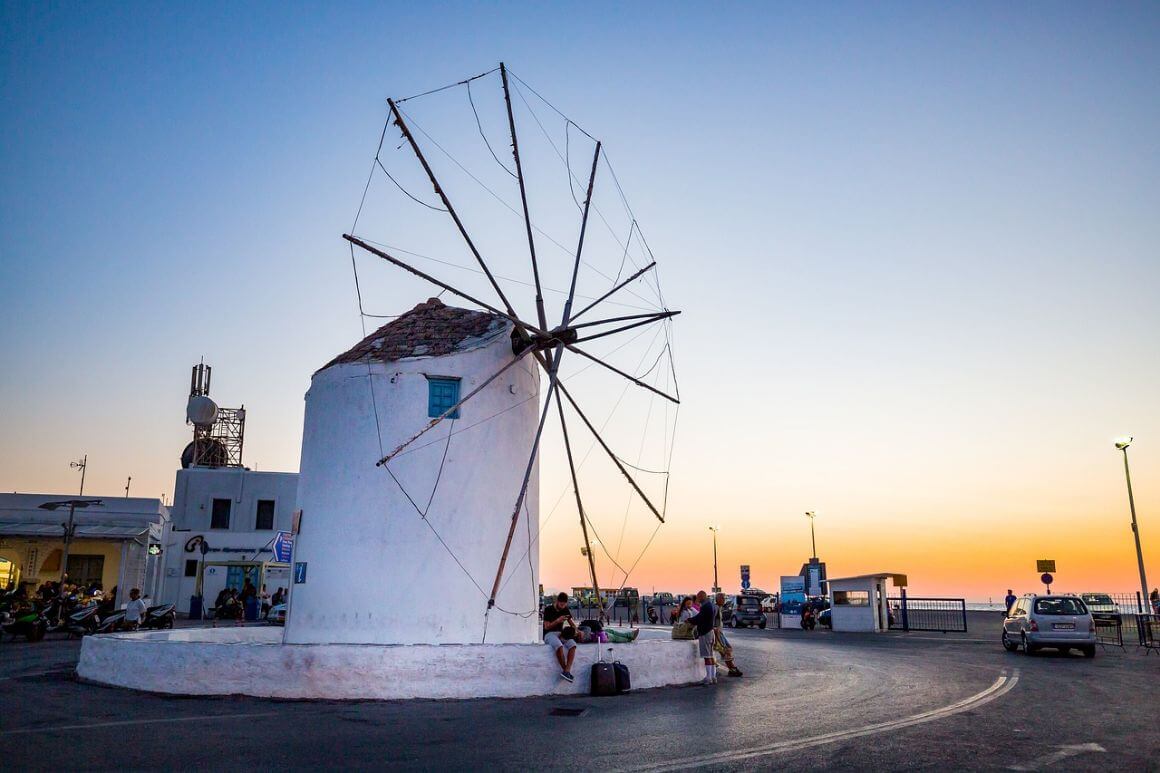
(1058,622)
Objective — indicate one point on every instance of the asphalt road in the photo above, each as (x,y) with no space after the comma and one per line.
(807,700)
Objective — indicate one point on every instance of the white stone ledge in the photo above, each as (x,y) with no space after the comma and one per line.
(253,661)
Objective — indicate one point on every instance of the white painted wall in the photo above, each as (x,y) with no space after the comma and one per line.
(855,618)
(252,661)
(376,572)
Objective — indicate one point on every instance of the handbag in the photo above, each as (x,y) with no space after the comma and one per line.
(684,631)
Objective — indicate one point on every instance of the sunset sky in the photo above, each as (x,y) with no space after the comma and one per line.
(915,247)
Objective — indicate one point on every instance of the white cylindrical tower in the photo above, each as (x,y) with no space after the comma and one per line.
(377,570)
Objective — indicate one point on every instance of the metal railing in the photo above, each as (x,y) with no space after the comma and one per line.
(1109,630)
(908,613)
(1148,632)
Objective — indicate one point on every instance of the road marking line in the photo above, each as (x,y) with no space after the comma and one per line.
(1002,685)
(1064,752)
(120,723)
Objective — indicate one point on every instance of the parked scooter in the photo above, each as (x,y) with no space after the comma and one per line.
(112,622)
(83,622)
(159,617)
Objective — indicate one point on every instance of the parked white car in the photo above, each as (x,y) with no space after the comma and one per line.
(1057,622)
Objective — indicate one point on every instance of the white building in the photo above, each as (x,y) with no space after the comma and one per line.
(237,513)
(407,553)
(110,546)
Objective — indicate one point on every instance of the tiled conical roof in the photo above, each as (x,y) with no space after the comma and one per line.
(431,329)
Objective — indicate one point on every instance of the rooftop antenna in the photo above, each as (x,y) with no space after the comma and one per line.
(218,433)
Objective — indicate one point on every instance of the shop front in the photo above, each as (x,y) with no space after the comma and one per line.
(114,545)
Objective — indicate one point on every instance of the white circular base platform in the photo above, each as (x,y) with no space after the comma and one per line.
(254,661)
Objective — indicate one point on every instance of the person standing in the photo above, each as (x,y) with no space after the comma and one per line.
(720,643)
(557,618)
(703,623)
(134,610)
(1010,600)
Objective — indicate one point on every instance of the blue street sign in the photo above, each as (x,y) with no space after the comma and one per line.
(283,543)
(745,585)
(300,573)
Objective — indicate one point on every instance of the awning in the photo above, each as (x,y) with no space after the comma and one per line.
(83,531)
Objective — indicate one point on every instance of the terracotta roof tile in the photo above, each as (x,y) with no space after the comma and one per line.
(431,329)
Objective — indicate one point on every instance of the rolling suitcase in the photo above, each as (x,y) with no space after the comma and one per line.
(603,677)
(623,682)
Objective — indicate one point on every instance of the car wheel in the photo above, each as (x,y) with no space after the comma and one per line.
(1028,648)
(1009,645)
(1089,651)
(761,625)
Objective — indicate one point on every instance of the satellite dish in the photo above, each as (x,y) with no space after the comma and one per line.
(201,411)
(213,454)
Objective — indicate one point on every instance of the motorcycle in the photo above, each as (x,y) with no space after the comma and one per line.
(809,619)
(159,617)
(28,622)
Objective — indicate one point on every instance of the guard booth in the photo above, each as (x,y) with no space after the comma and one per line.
(860,603)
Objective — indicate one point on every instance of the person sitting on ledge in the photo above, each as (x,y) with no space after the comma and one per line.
(559,634)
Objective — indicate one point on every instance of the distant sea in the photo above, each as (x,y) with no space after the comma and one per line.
(983,606)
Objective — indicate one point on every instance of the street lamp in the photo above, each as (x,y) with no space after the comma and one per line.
(715,529)
(814,545)
(1122,445)
(70,529)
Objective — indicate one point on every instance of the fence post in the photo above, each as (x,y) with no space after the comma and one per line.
(964,610)
(905,620)
(1139,603)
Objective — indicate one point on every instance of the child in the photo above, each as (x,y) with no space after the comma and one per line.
(134,610)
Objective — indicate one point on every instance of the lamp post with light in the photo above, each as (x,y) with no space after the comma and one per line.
(1122,445)
(716,587)
(813,544)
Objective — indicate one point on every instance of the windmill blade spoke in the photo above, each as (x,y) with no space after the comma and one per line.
(553,384)
(579,502)
(392,259)
(507,96)
(432,424)
(447,203)
(650,315)
(650,318)
(608,294)
(611,455)
(580,245)
(620,372)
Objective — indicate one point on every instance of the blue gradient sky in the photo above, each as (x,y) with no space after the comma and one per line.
(916,245)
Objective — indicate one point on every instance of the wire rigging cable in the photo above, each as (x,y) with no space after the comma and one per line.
(483,136)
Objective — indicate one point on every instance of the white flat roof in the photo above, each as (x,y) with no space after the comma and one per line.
(876,576)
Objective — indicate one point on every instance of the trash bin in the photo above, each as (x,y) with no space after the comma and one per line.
(195,607)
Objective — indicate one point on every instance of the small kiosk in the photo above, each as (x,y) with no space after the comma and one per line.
(860,603)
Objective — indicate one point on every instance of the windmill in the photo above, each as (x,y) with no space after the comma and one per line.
(552,336)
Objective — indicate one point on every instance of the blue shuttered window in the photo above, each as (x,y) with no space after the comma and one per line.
(442,393)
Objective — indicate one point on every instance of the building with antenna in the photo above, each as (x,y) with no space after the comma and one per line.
(225,516)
